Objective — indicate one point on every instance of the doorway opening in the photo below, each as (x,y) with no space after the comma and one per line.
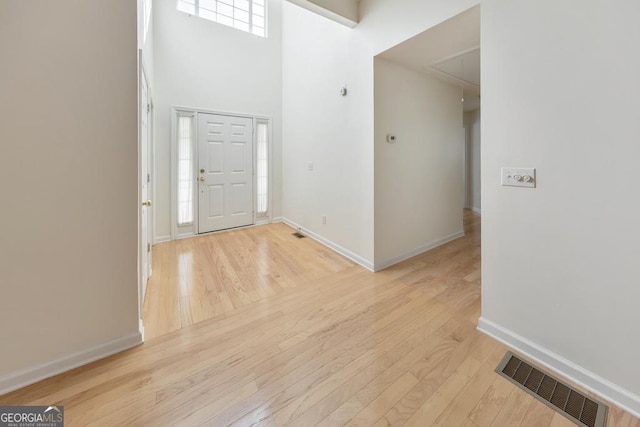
(425,164)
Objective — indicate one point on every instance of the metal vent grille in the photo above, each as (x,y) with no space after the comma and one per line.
(574,405)
(299,235)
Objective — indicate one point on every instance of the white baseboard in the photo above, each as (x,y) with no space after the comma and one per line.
(476,210)
(331,245)
(161,239)
(25,377)
(607,390)
(276,219)
(391,261)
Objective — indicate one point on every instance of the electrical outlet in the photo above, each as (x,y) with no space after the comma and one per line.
(310,166)
(518,177)
(324,219)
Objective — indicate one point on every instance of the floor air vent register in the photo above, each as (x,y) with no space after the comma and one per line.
(566,400)
(299,235)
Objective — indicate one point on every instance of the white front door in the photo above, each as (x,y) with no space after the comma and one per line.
(145,178)
(225,172)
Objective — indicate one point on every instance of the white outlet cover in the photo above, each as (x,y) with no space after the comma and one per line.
(509,177)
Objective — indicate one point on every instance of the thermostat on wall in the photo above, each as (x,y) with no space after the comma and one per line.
(391,138)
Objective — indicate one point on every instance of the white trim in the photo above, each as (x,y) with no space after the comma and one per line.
(276,220)
(196,110)
(161,239)
(381,265)
(142,285)
(455,55)
(191,230)
(152,175)
(186,236)
(465,159)
(331,245)
(624,399)
(432,67)
(177,231)
(196,14)
(476,211)
(268,218)
(25,377)
(226,230)
(140,274)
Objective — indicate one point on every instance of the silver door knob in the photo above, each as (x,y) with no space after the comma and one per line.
(146,203)
(201,179)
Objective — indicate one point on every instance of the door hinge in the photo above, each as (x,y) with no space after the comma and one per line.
(148,178)
(148,108)
(148,247)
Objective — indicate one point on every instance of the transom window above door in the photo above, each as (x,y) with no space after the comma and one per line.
(245,15)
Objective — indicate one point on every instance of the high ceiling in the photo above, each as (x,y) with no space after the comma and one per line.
(450,51)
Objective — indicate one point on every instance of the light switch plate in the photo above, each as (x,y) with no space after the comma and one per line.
(519,177)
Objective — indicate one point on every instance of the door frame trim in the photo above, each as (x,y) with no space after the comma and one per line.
(192,230)
(142,73)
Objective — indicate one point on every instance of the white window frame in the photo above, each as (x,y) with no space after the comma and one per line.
(185,230)
(196,7)
(193,140)
(264,219)
(192,230)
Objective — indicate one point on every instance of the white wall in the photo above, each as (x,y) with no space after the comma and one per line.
(342,11)
(68,179)
(385,23)
(560,262)
(346,8)
(473,172)
(333,132)
(202,64)
(336,133)
(418,179)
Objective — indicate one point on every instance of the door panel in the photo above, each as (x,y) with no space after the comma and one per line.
(238,199)
(225,179)
(237,162)
(215,154)
(216,201)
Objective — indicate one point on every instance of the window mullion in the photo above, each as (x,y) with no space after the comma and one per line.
(233,13)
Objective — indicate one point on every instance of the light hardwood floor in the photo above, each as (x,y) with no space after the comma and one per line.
(255,327)
(213,275)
